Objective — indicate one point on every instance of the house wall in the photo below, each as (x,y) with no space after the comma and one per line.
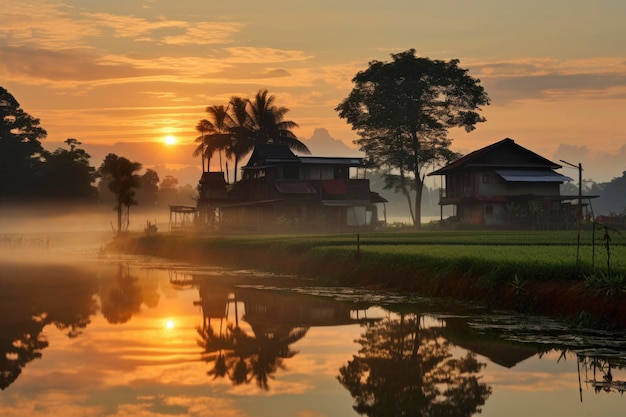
(317,173)
(488,183)
(473,213)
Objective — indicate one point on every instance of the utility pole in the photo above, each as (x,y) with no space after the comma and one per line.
(579,167)
(580,202)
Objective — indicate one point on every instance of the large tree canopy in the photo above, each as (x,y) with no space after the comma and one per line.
(20,148)
(402,111)
(68,175)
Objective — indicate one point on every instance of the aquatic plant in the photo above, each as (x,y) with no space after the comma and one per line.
(611,284)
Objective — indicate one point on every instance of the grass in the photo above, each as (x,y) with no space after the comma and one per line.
(492,255)
(532,271)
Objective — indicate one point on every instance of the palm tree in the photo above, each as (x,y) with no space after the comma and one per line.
(203,127)
(214,134)
(241,130)
(269,125)
(243,124)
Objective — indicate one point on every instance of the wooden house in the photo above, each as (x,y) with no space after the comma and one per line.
(507,184)
(280,191)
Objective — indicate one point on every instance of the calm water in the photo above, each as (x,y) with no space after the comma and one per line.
(86,333)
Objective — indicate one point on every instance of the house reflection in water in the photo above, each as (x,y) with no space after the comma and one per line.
(276,320)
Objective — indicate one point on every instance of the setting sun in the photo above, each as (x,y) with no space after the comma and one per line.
(169,324)
(170,140)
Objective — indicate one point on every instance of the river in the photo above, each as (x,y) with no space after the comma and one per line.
(84,332)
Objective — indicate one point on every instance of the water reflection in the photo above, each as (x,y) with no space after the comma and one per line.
(276,320)
(238,335)
(601,378)
(33,297)
(405,368)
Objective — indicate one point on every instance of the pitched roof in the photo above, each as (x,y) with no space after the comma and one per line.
(503,154)
(270,154)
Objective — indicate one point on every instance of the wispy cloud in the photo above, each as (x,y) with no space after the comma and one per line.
(553,79)
(57,26)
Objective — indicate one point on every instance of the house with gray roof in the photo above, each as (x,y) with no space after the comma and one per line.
(505,184)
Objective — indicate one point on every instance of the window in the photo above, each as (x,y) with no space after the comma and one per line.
(486,178)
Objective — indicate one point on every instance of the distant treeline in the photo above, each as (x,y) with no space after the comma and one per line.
(31,174)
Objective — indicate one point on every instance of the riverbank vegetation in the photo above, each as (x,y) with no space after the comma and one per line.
(530,271)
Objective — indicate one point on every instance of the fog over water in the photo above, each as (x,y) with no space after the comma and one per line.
(116,335)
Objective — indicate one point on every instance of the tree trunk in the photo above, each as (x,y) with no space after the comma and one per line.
(119,218)
(407,194)
(419,187)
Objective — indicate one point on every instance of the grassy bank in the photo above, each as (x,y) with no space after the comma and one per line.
(536,272)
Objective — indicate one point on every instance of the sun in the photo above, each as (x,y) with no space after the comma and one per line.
(169,324)
(170,140)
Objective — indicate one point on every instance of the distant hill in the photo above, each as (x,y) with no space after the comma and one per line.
(322,144)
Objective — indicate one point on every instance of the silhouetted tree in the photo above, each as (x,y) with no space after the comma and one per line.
(269,124)
(20,150)
(402,111)
(68,175)
(245,123)
(241,132)
(168,191)
(148,192)
(214,135)
(612,194)
(120,175)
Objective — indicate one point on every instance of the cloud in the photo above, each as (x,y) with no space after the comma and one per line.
(128,26)
(205,33)
(66,68)
(599,165)
(57,26)
(46,25)
(553,79)
(255,55)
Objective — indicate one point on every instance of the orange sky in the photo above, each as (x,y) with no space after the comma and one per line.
(112,72)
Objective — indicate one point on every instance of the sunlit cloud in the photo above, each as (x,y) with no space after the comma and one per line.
(205,33)
(46,25)
(128,26)
(58,26)
(256,55)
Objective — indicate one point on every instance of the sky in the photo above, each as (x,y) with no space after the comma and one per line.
(120,76)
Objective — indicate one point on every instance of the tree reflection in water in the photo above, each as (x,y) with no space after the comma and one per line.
(601,379)
(235,354)
(403,368)
(120,295)
(31,297)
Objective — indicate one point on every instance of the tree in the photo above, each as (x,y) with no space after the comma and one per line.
(68,175)
(120,175)
(240,131)
(269,126)
(214,135)
(168,192)
(147,194)
(202,127)
(402,111)
(20,149)
(242,125)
